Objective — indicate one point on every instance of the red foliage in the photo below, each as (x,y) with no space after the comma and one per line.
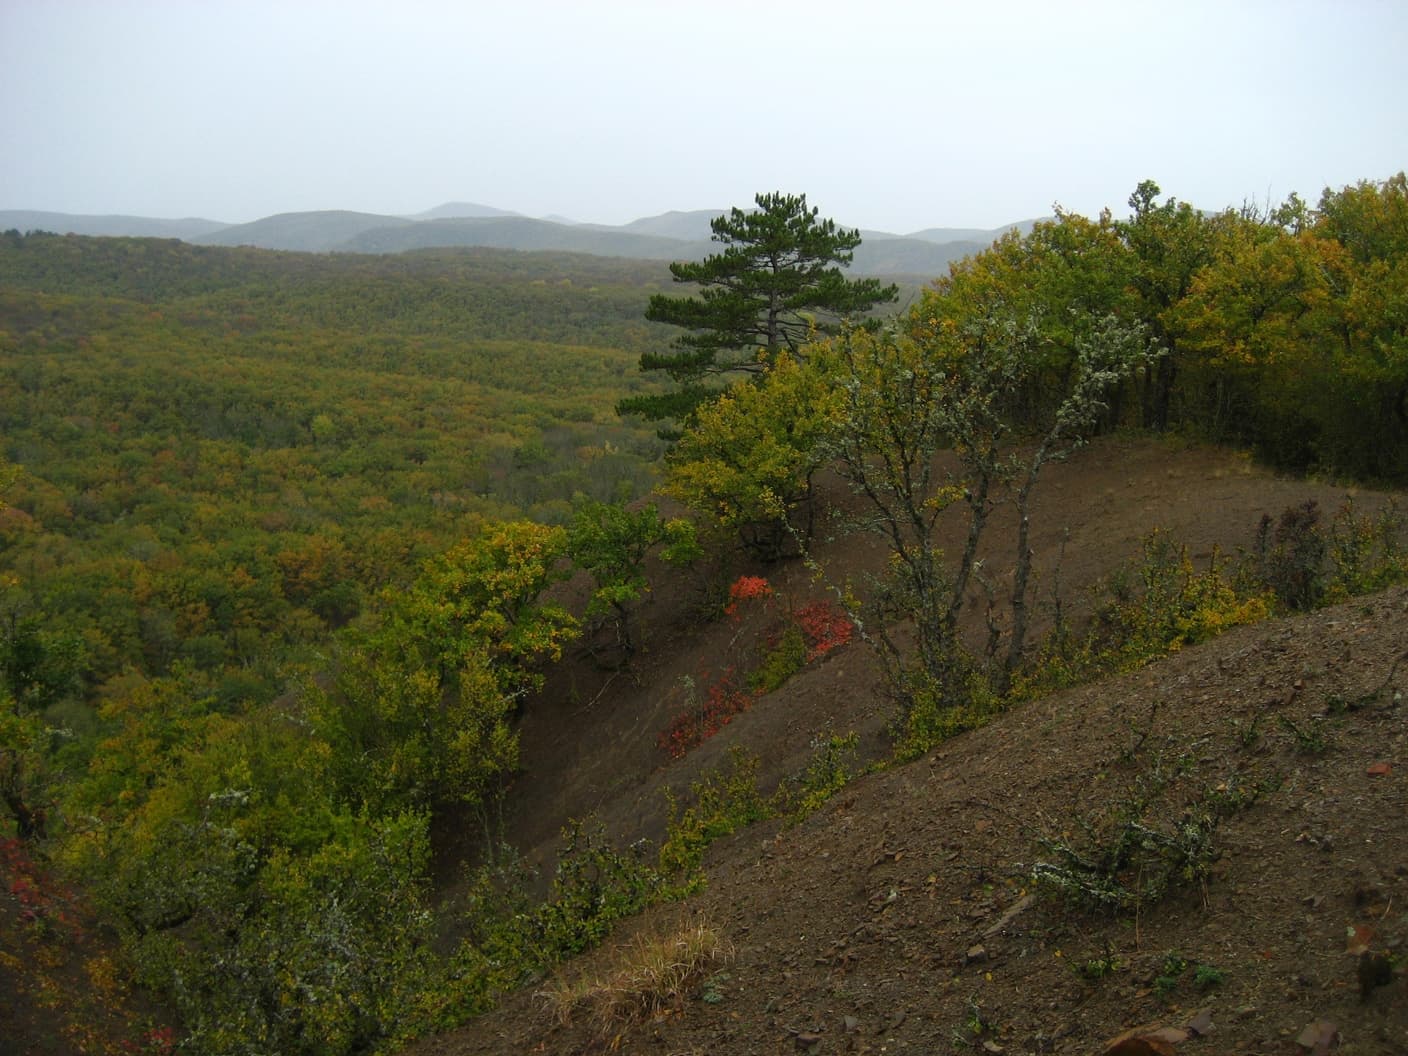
(697,723)
(746,588)
(825,628)
(41,900)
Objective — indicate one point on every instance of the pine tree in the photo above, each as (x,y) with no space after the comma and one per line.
(777,281)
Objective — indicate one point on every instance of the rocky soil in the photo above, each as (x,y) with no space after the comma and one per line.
(904,917)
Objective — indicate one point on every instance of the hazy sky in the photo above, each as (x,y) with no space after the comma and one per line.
(888,114)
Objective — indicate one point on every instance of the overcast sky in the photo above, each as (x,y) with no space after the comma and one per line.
(888,114)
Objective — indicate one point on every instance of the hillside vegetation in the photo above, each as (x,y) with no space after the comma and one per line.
(327,604)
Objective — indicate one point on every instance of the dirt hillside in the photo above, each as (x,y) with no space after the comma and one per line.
(903,916)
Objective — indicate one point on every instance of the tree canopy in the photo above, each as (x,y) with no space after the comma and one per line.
(777,282)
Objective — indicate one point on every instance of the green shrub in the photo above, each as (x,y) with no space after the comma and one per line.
(1205,977)
(938,708)
(1151,607)
(1366,552)
(780,662)
(511,941)
(723,804)
(828,772)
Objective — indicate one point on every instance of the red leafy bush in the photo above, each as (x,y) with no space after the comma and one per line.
(705,717)
(746,588)
(825,627)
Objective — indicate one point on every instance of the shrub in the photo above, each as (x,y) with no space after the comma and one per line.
(1152,607)
(511,941)
(938,707)
(723,804)
(1366,553)
(827,773)
(786,657)
(1134,852)
(825,627)
(1177,605)
(1290,560)
(746,588)
(810,632)
(701,719)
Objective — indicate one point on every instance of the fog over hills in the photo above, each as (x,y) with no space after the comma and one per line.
(675,235)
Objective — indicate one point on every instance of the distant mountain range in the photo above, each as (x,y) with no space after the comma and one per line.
(669,236)
(120,226)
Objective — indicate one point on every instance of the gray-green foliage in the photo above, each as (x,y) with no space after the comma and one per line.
(934,387)
(511,939)
(1140,845)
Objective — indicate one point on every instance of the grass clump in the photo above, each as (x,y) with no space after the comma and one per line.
(1170,972)
(1095,968)
(1206,976)
(654,971)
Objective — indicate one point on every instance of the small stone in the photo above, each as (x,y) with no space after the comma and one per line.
(1168,1035)
(1380,770)
(1201,1024)
(1318,1037)
(976,954)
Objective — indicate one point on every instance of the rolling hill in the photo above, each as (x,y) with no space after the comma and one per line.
(520,233)
(316,232)
(669,236)
(107,226)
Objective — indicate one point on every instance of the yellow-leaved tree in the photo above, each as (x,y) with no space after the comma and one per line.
(746,462)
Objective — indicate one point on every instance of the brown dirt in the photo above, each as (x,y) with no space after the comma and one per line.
(852,930)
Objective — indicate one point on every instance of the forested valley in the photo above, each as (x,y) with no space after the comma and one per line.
(284,541)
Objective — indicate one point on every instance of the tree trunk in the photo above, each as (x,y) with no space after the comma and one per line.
(30,822)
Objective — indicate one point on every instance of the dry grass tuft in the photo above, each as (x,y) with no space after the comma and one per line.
(638,979)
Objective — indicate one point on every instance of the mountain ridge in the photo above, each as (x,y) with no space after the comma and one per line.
(672,235)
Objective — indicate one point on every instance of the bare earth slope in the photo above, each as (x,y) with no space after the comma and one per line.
(858,930)
(897,919)
(589,743)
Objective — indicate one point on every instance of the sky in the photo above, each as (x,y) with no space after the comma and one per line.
(890,115)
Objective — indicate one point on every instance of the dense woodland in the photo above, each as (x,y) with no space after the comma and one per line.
(279,531)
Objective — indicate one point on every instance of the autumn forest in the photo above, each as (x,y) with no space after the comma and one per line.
(284,540)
